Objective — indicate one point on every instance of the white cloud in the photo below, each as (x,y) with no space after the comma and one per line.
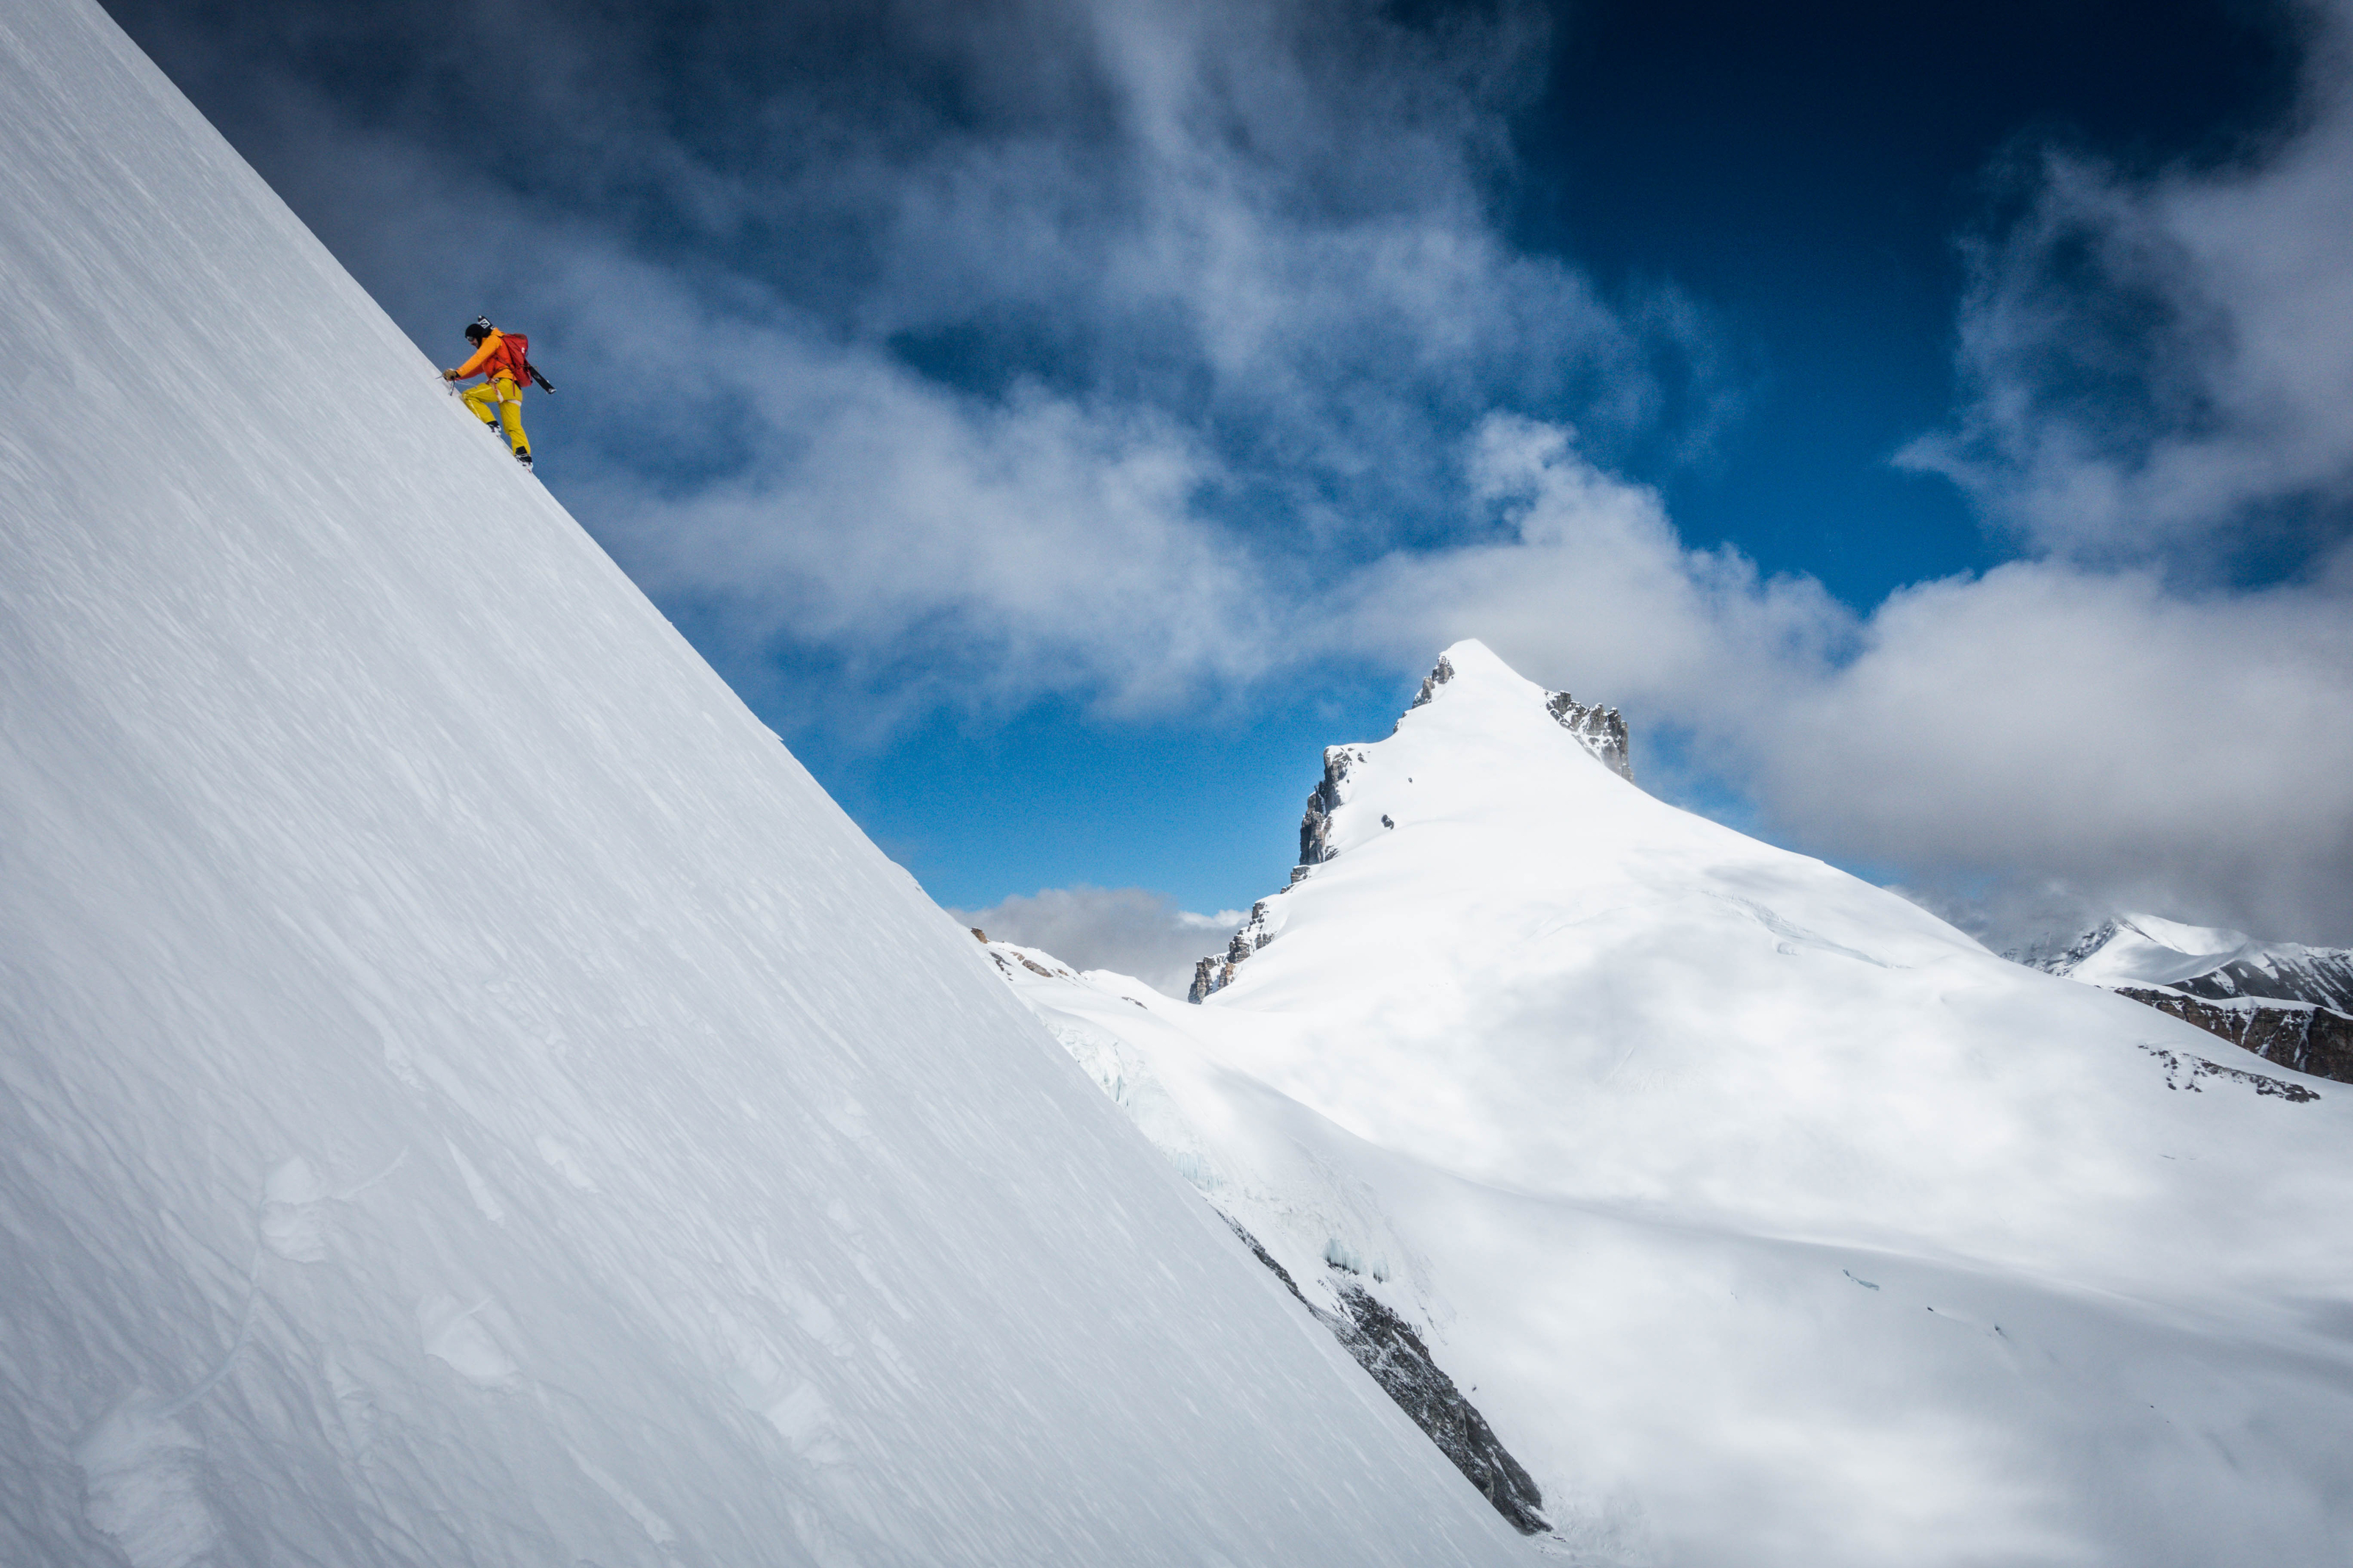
(1128,929)
(1014,546)
(1587,574)
(2044,720)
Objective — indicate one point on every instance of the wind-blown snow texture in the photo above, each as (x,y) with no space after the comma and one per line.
(466,1095)
(1769,1219)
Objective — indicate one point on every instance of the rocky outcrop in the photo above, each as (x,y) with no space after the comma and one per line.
(1316,828)
(2184,1072)
(1385,1345)
(1213,973)
(1601,730)
(2308,1039)
(1442,672)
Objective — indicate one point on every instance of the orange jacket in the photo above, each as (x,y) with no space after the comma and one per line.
(493,361)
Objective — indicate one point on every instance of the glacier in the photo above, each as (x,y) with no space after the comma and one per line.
(1768,1218)
(467,1095)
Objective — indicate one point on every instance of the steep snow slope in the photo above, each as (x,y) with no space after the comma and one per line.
(466,1095)
(1769,1219)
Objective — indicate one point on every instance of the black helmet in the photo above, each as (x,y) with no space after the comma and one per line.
(479,329)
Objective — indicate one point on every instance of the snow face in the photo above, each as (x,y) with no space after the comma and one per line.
(1768,1218)
(466,1095)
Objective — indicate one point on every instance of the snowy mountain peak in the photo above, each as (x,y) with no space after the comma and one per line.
(1600,731)
(1476,725)
(1470,667)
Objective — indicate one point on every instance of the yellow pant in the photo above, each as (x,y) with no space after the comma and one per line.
(504,392)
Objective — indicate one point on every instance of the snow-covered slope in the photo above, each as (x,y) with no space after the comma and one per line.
(1768,1218)
(466,1095)
(2200,961)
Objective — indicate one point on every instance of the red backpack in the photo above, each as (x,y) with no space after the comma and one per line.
(514,353)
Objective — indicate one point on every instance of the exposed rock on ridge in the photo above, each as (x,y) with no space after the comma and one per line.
(1601,730)
(2315,1041)
(1210,975)
(1316,828)
(1440,674)
(2184,1072)
(1385,1345)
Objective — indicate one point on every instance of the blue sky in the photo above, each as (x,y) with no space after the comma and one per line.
(1062,420)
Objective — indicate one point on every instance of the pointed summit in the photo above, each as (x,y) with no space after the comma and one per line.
(1476,722)
(1600,731)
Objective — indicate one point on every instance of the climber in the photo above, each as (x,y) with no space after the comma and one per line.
(499,358)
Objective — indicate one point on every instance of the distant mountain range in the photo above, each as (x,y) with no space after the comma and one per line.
(2200,961)
(2287,1003)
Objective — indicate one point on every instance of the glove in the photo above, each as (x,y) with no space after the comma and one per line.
(448,375)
